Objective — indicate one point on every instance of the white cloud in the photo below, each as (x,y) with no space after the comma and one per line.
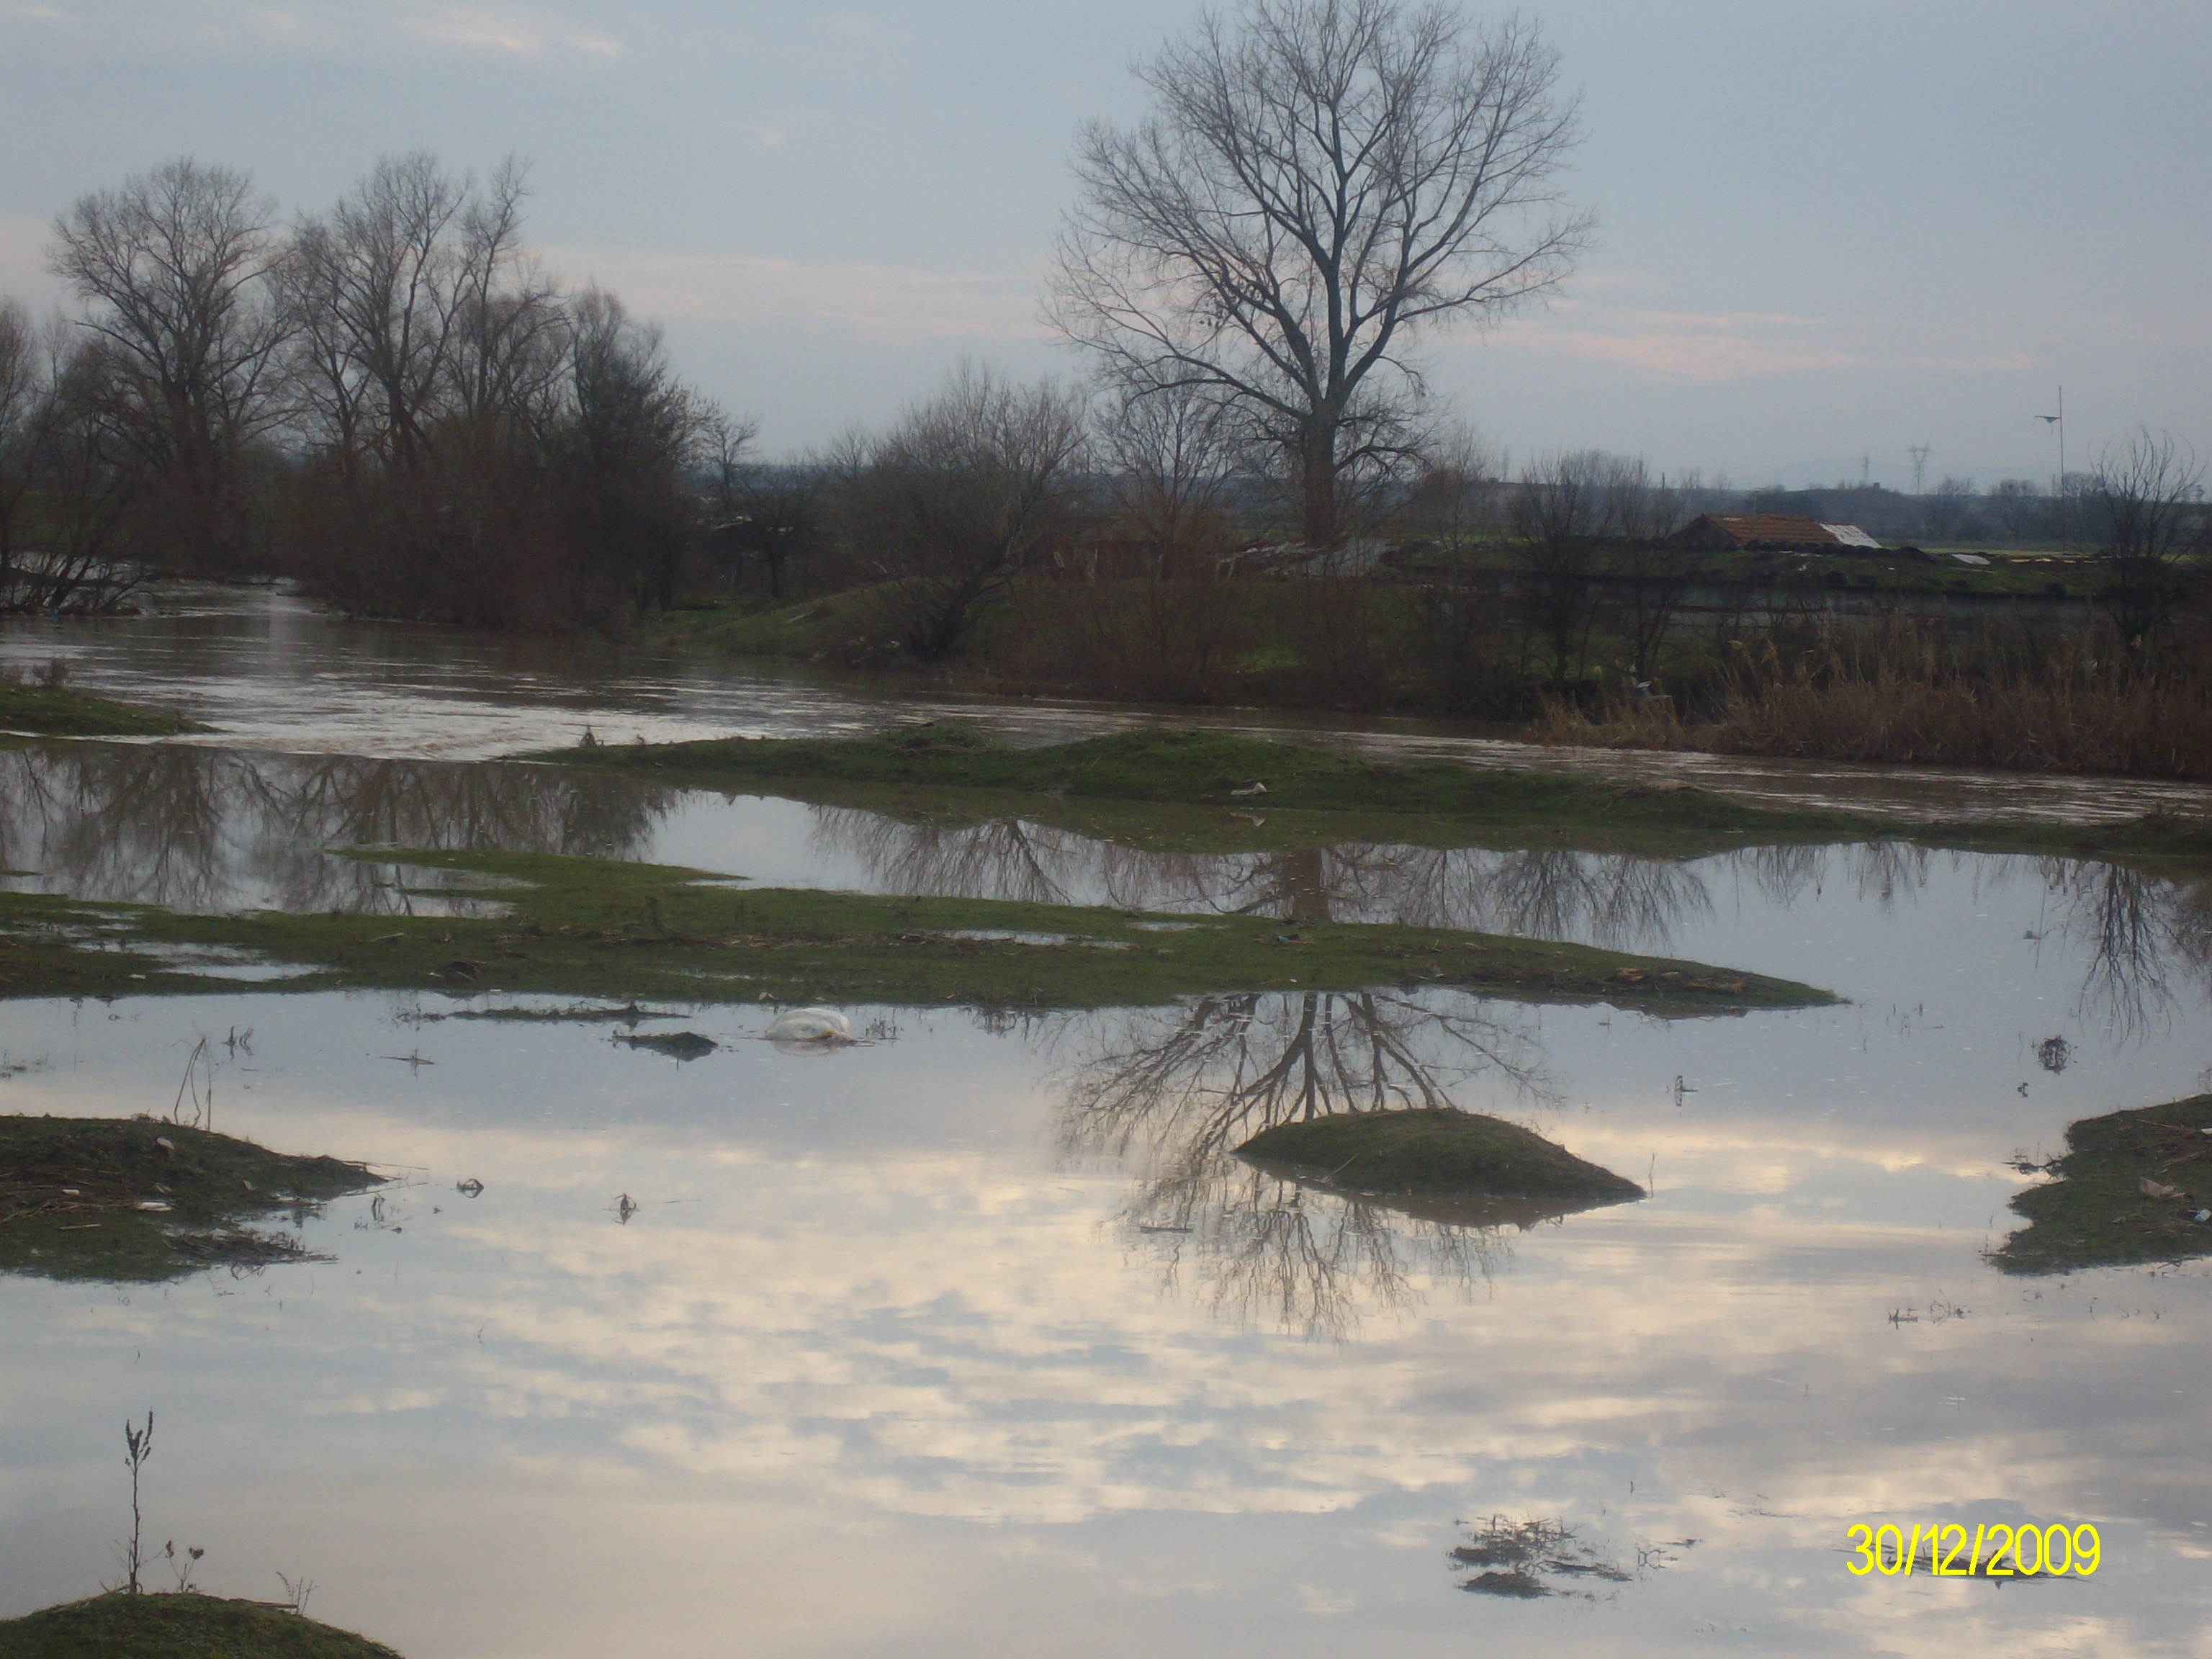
(519,30)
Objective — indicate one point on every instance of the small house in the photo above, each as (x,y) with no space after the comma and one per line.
(1771,532)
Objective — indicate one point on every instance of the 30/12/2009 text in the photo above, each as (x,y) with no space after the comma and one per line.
(1941,1549)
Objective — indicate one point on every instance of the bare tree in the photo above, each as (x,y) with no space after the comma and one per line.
(2146,507)
(1174,457)
(1638,511)
(969,490)
(22,392)
(1942,509)
(172,265)
(2018,503)
(414,308)
(631,440)
(1558,506)
(66,476)
(1322,183)
(1457,487)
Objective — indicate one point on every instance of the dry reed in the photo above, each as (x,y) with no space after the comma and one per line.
(1895,694)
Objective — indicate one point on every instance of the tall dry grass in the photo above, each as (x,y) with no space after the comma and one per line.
(1899,693)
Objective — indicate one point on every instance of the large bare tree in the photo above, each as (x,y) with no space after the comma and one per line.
(172,266)
(1320,184)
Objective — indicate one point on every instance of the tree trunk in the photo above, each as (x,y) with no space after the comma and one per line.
(1317,485)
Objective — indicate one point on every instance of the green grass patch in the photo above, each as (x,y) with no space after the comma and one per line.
(1312,795)
(119,1627)
(601,928)
(2127,1188)
(1436,1153)
(59,712)
(139,1199)
(1164,765)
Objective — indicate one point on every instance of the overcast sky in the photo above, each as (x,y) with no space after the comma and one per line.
(1828,231)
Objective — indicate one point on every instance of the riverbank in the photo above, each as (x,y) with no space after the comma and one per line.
(1746,668)
(55,711)
(595,927)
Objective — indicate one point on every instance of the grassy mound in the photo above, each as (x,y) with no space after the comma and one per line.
(58,712)
(2128,1189)
(1441,1153)
(178,1627)
(75,1198)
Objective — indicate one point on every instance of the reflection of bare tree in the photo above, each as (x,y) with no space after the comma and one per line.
(2137,932)
(1180,1089)
(1880,870)
(200,829)
(1269,1250)
(1617,902)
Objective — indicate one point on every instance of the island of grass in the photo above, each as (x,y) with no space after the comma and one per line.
(2128,1189)
(57,711)
(603,928)
(1160,766)
(188,1626)
(1437,1154)
(140,1200)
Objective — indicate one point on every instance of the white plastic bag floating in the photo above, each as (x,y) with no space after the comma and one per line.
(810,1030)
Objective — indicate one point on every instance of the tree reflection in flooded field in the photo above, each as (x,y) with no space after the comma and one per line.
(1173,1092)
(205,830)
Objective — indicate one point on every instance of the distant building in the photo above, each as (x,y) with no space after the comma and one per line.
(1771,532)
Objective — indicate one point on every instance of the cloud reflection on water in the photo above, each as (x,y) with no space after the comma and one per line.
(881,1323)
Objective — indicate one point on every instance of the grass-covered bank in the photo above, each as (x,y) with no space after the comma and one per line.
(55,711)
(188,1626)
(592,927)
(141,1199)
(1428,803)
(2128,1188)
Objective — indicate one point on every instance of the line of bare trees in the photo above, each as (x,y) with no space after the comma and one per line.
(390,398)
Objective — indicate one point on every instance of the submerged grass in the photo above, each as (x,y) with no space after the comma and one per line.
(188,1626)
(2128,1189)
(600,928)
(139,1199)
(1436,1153)
(1193,790)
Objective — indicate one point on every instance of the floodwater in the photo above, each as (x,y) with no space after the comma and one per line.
(975,1339)
(268,670)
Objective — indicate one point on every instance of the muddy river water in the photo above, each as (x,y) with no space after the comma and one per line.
(972,1338)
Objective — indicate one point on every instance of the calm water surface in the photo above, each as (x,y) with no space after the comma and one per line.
(975,1340)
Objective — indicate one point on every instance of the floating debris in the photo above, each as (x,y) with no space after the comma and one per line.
(809,1028)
